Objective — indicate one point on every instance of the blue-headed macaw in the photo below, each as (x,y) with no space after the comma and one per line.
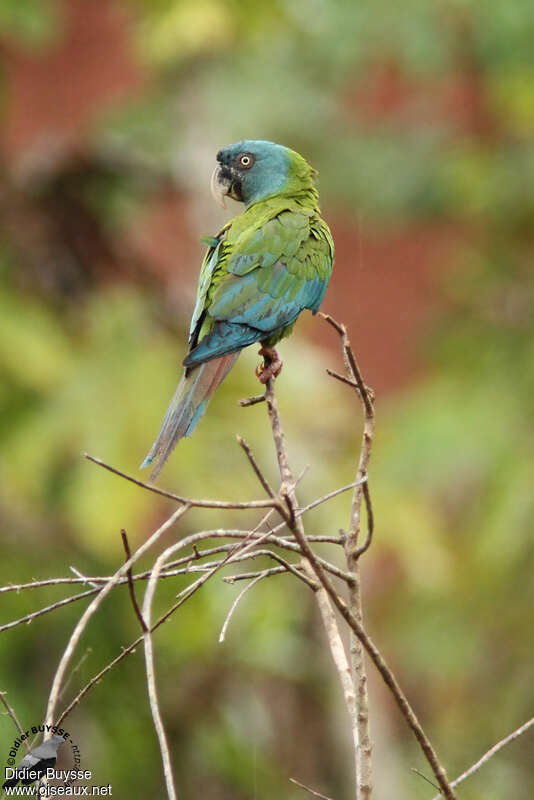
(261,270)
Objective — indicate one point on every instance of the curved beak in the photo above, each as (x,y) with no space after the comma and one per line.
(220,186)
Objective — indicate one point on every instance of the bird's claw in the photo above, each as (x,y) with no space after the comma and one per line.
(272,364)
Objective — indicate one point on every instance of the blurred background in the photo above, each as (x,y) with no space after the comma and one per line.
(420,120)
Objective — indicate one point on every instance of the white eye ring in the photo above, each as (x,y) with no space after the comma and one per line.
(244,161)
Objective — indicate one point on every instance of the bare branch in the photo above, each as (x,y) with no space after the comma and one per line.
(150,674)
(311,791)
(339,573)
(188,501)
(10,712)
(252,401)
(365,392)
(370,520)
(73,672)
(236,556)
(254,464)
(131,589)
(34,614)
(245,576)
(342,378)
(83,578)
(239,597)
(364,775)
(491,752)
(329,496)
(294,569)
(424,777)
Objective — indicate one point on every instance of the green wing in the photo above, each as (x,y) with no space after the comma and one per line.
(260,280)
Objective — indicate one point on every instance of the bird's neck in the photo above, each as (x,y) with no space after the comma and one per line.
(305,196)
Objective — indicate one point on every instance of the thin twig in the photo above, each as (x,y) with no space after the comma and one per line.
(366,393)
(329,496)
(254,464)
(252,401)
(151,678)
(342,378)
(339,573)
(370,520)
(189,501)
(11,713)
(491,752)
(73,672)
(234,605)
(82,577)
(293,569)
(245,576)
(131,589)
(311,791)
(251,554)
(237,557)
(34,614)
(424,777)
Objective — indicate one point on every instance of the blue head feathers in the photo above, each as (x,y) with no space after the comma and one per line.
(251,170)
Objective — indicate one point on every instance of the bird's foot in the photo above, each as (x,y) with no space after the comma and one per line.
(272,364)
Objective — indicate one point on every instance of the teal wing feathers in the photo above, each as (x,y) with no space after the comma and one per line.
(209,264)
(255,284)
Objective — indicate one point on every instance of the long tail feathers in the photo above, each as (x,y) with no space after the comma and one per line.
(187,406)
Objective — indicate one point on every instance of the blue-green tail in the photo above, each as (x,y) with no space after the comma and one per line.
(186,407)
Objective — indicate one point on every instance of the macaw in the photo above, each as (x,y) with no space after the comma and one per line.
(262,269)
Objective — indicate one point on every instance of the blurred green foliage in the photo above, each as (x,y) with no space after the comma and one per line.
(449,593)
(31,22)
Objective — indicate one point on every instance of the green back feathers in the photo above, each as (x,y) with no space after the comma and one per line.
(300,181)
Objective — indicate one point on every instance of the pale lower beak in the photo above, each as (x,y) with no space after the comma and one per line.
(220,186)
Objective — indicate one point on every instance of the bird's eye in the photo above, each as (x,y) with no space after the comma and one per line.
(245,161)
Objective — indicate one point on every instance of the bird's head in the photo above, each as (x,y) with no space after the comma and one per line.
(252,170)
